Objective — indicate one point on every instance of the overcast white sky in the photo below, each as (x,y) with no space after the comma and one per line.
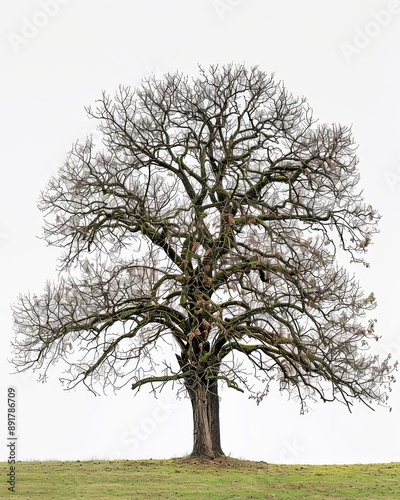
(56,57)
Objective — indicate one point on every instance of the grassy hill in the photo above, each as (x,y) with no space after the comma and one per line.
(224,478)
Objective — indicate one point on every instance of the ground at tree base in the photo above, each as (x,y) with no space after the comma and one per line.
(187,478)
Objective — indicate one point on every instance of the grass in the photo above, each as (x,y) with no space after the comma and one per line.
(224,478)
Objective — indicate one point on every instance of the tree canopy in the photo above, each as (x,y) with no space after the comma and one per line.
(210,224)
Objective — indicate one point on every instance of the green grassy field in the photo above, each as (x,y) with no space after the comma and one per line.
(181,478)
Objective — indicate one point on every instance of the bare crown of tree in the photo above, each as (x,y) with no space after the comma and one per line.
(209,225)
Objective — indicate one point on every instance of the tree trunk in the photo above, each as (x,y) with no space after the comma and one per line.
(206,430)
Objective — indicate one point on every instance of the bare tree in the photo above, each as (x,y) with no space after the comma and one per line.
(208,225)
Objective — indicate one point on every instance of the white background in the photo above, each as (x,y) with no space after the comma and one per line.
(343,56)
